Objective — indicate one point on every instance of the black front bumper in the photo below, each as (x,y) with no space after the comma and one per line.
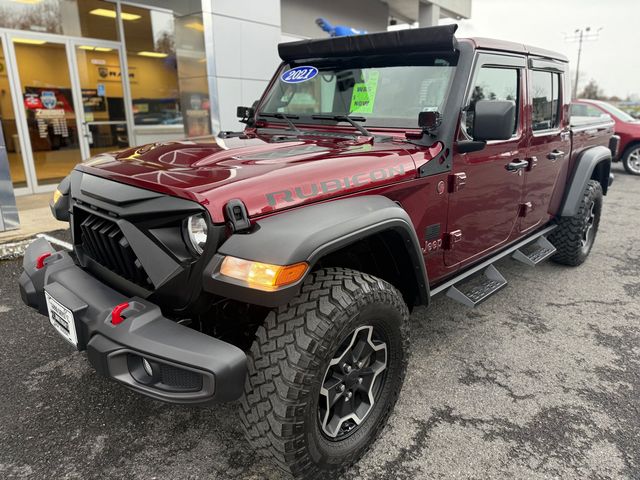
(186,366)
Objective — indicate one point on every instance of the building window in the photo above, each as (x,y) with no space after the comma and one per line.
(167,70)
(85,18)
(153,75)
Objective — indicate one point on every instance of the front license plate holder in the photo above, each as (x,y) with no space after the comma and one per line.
(62,319)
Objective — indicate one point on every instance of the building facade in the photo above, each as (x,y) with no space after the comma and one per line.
(81,77)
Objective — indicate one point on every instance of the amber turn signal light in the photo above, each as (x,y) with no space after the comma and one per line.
(56,196)
(263,276)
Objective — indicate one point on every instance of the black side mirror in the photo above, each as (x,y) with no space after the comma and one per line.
(494,120)
(245,113)
(428,121)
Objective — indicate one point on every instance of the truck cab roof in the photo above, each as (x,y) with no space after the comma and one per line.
(482,43)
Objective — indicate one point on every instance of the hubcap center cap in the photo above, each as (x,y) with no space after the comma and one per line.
(351,380)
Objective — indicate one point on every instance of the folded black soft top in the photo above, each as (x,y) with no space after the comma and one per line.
(428,39)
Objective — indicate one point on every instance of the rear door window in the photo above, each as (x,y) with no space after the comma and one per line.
(545,97)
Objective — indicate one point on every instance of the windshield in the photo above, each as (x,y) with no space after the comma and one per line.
(386,96)
(624,116)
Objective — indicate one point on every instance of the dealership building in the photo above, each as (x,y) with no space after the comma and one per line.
(80,77)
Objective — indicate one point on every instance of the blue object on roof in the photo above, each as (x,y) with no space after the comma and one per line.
(337,30)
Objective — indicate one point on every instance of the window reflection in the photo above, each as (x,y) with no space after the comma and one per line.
(63,17)
(167,69)
(151,54)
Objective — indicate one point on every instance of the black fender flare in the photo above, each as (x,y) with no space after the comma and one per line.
(586,164)
(307,234)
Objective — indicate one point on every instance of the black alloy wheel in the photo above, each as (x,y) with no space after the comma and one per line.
(352,382)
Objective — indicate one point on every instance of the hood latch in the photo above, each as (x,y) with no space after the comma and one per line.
(237,216)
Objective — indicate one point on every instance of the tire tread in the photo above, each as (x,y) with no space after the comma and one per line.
(286,356)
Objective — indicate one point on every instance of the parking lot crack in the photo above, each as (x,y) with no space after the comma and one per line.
(481,373)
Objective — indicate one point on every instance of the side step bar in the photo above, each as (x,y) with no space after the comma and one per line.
(534,253)
(490,282)
(483,280)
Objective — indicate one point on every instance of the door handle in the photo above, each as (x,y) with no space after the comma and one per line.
(517,165)
(555,155)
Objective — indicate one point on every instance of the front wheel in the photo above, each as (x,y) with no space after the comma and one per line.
(325,372)
(631,160)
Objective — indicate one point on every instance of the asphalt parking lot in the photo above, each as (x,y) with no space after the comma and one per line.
(540,381)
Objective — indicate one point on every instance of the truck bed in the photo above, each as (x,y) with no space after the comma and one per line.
(589,132)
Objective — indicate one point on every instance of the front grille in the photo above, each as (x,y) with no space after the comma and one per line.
(104,242)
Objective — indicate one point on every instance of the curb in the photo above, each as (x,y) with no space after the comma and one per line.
(13,250)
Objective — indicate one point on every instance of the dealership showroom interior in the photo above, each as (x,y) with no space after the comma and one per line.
(317,239)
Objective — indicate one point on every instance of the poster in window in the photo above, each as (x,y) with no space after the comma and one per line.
(51,98)
(92,101)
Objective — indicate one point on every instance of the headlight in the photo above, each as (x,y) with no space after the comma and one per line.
(197,232)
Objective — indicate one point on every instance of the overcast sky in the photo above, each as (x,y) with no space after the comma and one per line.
(613,60)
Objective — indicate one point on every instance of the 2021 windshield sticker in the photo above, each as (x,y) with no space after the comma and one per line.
(364,94)
(299,74)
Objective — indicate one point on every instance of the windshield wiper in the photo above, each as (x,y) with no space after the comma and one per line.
(286,117)
(348,119)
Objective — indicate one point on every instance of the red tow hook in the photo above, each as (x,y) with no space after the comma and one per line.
(40,260)
(116,313)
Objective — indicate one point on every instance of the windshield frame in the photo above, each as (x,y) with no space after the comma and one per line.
(364,62)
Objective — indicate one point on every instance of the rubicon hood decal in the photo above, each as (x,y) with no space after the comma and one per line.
(310,190)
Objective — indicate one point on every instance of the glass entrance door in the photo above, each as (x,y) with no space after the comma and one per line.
(72,103)
(104,98)
(48,105)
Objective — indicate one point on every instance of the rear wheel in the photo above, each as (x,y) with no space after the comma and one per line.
(574,236)
(325,372)
(631,160)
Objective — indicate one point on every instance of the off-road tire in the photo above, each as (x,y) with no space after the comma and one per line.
(630,159)
(290,357)
(569,235)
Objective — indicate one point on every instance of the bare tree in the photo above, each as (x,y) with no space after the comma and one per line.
(45,16)
(592,91)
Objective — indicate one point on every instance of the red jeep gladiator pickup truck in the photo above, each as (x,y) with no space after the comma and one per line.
(277,266)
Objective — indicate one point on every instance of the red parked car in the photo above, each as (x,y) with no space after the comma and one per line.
(627,128)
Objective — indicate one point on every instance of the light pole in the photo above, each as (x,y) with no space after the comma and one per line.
(580,35)
(575,84)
